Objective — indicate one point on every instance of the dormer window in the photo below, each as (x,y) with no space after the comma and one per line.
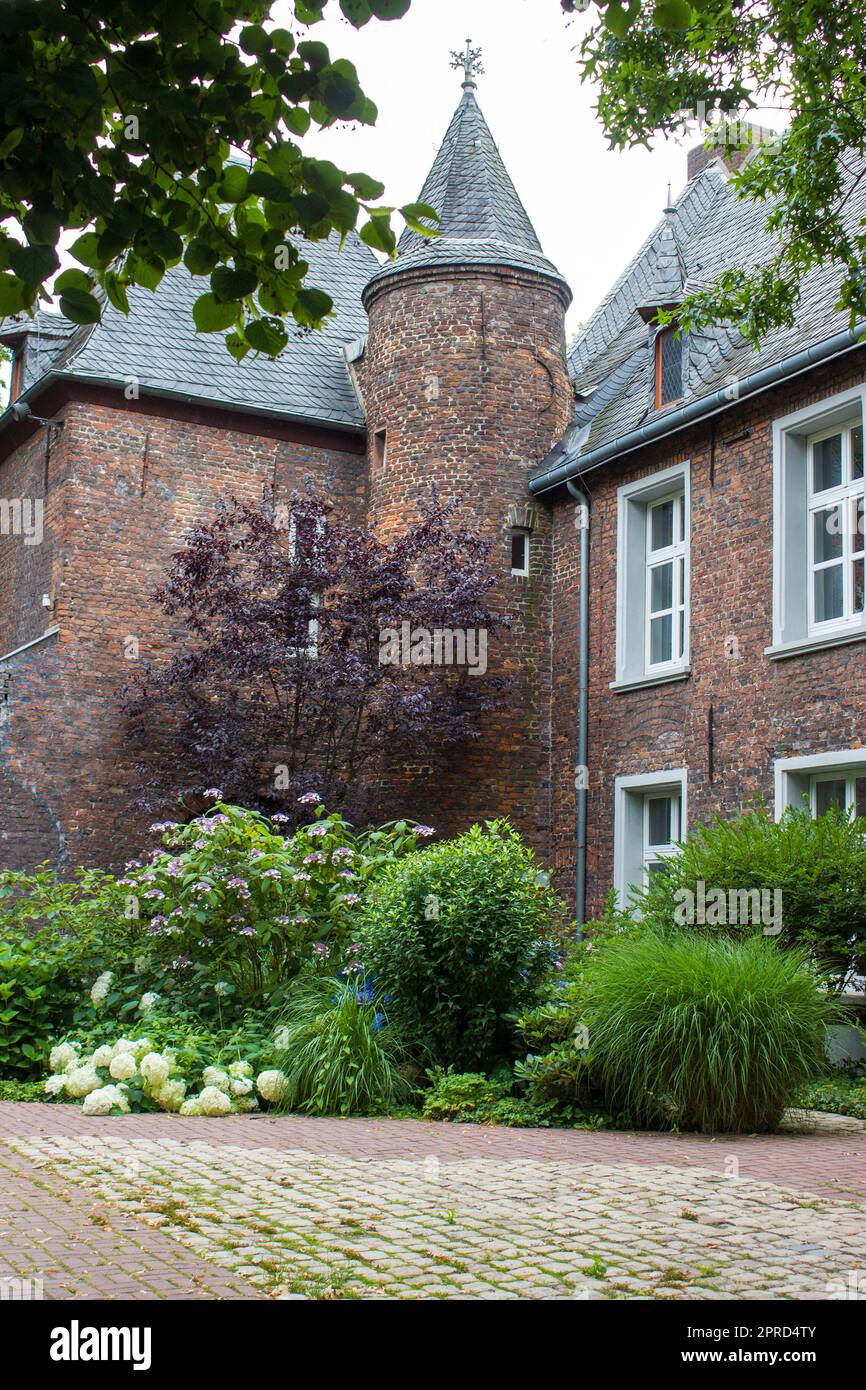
(668,367)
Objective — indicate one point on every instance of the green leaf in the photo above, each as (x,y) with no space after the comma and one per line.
(116,291)
(237,346)
(266,335)
(12,141)
(41,228)
(33,264)
(73,279)
(312,305)
(228,283)
(365,186)
(13,295)
(84,249)
(234,183)
(357,12)
(616,19)
(254,40)
(80,307)
(379,235)
(200,257)
(210,316)
(673,14)
(389,9)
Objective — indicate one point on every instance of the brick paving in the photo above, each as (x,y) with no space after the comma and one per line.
(249,1206)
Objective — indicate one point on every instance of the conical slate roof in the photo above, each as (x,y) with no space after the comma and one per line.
(482,220)
(666,287)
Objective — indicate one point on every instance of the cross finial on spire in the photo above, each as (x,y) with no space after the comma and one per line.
(470,62)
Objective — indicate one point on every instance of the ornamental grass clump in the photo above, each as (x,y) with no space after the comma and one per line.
(704,1033)
(338,1052)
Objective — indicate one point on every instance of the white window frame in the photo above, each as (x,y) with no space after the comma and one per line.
(632,852)
(634,501)
(524,536)
(675,556)
(843,496)
(794,626)
(796,777)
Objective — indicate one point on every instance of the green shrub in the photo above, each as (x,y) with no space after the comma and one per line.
(474,1099)
(819,865)
(458,933)
(338,1050)
(704,1032)
(842,1095)
(230,900)
(35,994)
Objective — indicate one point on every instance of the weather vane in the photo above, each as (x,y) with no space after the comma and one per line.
(470,62)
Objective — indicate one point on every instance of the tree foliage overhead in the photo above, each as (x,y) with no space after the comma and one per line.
(171,131)
(658,67)
(280,682)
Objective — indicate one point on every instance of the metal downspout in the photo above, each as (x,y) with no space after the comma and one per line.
(581,771)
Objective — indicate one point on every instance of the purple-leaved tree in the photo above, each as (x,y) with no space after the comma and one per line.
(290,630)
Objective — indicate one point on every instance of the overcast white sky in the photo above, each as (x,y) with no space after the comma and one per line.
(591,207)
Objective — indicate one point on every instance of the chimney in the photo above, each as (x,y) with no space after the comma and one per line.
(731,142)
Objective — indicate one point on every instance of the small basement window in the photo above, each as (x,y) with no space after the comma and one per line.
(668,367)
(520,552)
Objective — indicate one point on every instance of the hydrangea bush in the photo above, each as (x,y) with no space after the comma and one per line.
(230,896)
(129,1075)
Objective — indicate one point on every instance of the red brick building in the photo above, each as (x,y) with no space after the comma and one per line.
(700,501)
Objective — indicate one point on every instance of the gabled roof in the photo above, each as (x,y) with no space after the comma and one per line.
(482,220)
(610,361)
(159,346)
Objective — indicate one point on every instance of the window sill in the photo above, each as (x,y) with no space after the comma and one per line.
(780,651)
(681,674)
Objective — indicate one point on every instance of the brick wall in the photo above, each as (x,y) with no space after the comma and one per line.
(466,376)
(762,709)
(124,485)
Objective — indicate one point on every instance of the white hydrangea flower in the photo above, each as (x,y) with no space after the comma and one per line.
(122,1045)
(191,1106)
(146,1003)
(62,1057)
(140,1047)
(105,1099)
(215,1077)
(140,964)
(271,1085)
(154,1068)
(246,1103)
(281,1038)
(55,1085)
(170,1095)
(123,1067)
(81,1081)
(241,1069)
(240,1085)
(214,1102)
(102,1056)
(100,987)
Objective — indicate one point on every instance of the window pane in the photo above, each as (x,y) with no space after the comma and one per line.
(857,452)
(682,647)
(657,866)
(661,587)
(828,594)
(827,463)
(859,526)
(662,531)
(671,367)
(661,639)
(659,830)
(518,550)
(827,525)
(858,585)
(860,796)
(829,792)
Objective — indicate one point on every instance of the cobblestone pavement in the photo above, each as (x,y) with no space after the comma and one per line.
(248,1207)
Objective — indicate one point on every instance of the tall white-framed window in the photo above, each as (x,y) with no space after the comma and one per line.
(836,524)
(520,552)
(820,781)
(649,823)
(289,521)
(818,525)
(665,582)
(652,616)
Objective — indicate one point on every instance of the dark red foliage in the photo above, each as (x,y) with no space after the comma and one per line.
(276,685)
